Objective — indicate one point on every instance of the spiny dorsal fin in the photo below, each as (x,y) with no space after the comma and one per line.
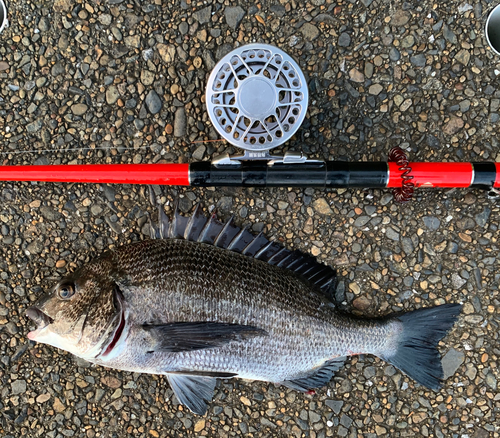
(229,236)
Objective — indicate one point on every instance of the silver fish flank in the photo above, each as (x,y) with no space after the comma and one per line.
(208,300)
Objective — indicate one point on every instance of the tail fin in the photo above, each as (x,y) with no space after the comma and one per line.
(416,354)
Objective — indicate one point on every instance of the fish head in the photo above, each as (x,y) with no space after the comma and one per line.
(79,314)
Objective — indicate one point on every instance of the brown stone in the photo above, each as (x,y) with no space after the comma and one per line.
(111,382)
(454,125)
(362,303)
(58,406)
(356,76)
(400,18)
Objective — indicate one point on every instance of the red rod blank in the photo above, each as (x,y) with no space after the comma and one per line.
(167,174)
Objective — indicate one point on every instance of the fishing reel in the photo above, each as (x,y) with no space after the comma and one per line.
(257,98)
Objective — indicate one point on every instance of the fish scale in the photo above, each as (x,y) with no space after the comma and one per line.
(196,312)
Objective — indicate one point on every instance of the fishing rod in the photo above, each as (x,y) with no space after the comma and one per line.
(256,99)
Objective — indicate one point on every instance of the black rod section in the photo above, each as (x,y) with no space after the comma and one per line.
(329,174)
(484,175)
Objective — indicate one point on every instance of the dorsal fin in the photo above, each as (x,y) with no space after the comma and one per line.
(227,235)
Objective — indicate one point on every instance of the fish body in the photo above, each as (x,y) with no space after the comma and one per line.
(196,312)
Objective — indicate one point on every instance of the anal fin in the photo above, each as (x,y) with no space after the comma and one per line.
(317,377)
(193,391)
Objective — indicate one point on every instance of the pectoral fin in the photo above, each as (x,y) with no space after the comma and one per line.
(188,336)
(193,391)
(316,378)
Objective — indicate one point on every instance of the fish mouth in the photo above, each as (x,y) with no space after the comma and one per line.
(40,318)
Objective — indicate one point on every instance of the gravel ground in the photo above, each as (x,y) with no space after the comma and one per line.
(111,81)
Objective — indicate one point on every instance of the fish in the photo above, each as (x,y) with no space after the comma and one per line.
(205,300)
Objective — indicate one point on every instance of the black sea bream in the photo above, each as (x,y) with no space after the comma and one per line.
(212,301)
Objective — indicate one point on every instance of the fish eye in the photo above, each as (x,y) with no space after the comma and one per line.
(65,291)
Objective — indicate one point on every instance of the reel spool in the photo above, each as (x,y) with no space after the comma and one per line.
(257,97)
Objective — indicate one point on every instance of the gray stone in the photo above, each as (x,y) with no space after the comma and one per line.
(36,247)
(392,234)
(491,381)
(464,105)
(432,222)
(234,15)
(131,103)
(309,31)
(133,41)
(109,192)
(449,35)
(203,15)
(361,221)
(147,77)
(345,421)
(408,41)
(183,28)
(18,387)
(394,54)
(34,126)
(369,372)
(44,24)
(279,10)
(79,362)
(451,361)
(369,69)
(342,431)
(375,89)
(344,40)
(418,60)
(49,213)
(408,247)
(335,405)
(400,18)
(483,217)
(180,122)
(225,203)
(452,247)
(199,152)
(131,20)
(105,19)
(457,281)
(386,198)
(57,69)
(470,371)
(463,57)
(153,102)
(314,417)
(79,109)
(112,95)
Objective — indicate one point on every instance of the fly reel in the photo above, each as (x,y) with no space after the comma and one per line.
(257,97)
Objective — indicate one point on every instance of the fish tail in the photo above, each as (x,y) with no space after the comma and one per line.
(415,352)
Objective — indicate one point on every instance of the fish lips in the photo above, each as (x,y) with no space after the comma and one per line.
(40,318)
